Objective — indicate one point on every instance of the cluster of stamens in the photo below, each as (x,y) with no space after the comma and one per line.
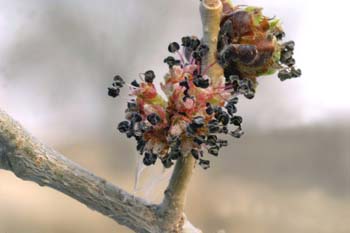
(197,108)
(195,112)
(287,62)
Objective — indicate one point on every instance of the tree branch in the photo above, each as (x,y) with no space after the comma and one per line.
(30,160)
(211,11)
(173,203)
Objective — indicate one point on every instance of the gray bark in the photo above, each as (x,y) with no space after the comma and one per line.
(30,160)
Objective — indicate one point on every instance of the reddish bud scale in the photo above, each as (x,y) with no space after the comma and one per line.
(241,26)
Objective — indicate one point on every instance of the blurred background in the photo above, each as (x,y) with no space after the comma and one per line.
(290,171)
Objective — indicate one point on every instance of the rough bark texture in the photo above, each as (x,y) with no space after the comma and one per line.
(174,200)
(31,160)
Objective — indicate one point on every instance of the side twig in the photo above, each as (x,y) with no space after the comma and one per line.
(211,11)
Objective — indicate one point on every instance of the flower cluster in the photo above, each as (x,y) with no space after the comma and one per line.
(197,109)
(250,45)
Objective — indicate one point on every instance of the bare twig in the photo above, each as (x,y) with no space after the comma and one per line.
(211,11)
(31,160)
(173,204)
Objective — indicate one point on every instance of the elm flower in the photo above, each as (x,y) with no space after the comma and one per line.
(195,111)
